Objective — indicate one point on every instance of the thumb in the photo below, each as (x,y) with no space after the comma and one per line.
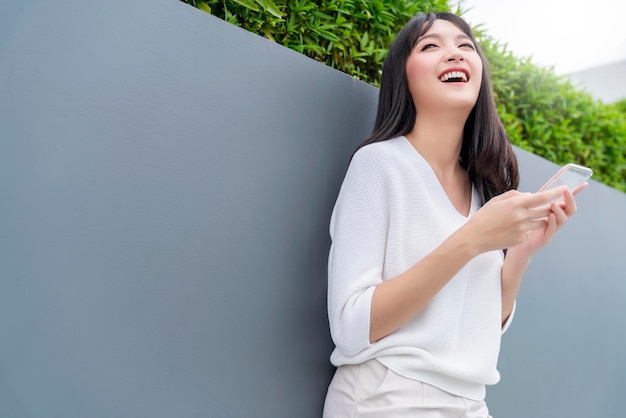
(508,194)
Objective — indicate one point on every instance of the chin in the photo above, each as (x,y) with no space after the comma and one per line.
(461,100)
(448,103)
(466,104)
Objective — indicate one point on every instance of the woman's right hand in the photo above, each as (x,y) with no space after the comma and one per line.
(506,220)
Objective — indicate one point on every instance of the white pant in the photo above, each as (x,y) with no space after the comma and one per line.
(371,390)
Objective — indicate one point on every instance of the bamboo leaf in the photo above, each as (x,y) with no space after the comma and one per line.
(269,6)
(541,112)
(364,40)
(248,3)
(203,6)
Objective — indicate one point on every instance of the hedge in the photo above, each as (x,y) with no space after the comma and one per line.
(542,112)
(349,35)
(547,115)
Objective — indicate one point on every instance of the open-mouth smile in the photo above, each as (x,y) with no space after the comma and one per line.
(451,76)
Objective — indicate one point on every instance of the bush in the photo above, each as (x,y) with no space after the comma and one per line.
(543,113)
(350,35)
(621,105)
(546,115)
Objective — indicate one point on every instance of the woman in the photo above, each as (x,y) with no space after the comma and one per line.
(429,237)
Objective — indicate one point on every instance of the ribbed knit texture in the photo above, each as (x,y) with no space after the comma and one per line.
(390,213)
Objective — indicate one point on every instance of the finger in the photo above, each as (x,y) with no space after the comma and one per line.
(560,214)
(542,198)
(508,194)
(539,212)
(570,207)
(551,227)
(579,188)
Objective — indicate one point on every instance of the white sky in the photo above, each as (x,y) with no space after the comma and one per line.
(569,35)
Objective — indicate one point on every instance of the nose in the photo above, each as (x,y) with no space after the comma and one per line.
(455,55)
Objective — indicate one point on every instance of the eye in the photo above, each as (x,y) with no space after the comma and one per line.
(467,45)
(428,46)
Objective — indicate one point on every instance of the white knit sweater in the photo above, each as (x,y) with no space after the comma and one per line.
(390,213)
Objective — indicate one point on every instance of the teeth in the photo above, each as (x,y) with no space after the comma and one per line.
(453,74)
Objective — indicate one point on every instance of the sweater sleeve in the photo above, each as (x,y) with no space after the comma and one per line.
(507,324)
(358,230)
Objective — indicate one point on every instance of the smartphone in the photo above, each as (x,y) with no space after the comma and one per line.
(570,175)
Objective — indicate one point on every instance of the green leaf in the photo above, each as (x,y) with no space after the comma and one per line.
(270,7)
(248,3)
(541,112)
(203,6)
(364,40)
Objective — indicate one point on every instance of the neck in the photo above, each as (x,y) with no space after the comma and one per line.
(438,138)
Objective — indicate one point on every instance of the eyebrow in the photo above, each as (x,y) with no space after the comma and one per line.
(438,36)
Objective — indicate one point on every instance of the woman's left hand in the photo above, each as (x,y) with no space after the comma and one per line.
(560,213)
(518,258)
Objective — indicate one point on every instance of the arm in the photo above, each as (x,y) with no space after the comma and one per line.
(503,222)
(518,258)
(513,269)
(395,301)
(362,307)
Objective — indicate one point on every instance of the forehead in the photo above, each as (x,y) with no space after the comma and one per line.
(444,27)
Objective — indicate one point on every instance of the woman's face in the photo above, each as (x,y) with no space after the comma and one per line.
(443,70)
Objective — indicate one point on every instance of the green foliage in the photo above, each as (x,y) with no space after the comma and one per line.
(352,36)
(621,105)
(543,113)
(546,115)
(200,4)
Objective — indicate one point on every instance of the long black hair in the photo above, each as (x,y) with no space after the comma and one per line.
(486,152)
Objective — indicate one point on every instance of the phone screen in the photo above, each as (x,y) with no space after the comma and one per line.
(570,175)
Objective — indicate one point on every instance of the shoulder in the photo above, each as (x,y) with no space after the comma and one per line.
(369,184)
(377,170)
(380,156)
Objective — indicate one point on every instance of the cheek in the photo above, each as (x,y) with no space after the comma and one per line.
(415,69)
(478,70)
(478,82)
(410,66)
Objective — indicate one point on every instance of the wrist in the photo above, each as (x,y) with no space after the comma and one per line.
(467,242)
(517,257)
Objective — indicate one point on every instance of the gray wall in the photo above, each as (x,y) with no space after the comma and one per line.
(605,82)
(167,181)
(564,353)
